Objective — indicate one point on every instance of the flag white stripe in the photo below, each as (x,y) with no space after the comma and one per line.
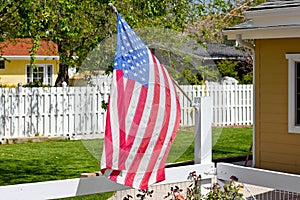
(114,117)
(141,130)
(171,125)
(159,123)
(132,106)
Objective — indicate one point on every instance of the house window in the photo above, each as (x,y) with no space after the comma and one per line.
(40,72)
(293,92)
(2,64)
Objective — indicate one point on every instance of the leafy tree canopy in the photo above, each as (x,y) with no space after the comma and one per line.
(78,26)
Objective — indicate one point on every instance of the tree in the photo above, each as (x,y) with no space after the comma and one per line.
(8,12)
(75,26)
(78,26)
(215,16)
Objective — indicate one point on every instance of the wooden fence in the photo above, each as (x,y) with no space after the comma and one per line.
(232,104)
(77,112)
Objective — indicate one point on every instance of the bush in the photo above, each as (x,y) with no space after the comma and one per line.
(5,85)
(36,83)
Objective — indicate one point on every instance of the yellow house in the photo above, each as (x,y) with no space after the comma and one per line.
(274,28)
(15,62)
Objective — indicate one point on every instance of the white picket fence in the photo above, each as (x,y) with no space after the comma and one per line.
(232,104)
(77,112)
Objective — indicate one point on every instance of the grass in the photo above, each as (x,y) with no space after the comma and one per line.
(233,142)
(51,160)
(55,160)
(227,142)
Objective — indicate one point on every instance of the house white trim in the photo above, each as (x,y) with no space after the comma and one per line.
(28,57)
(268,23)
(265,32)
(292,59)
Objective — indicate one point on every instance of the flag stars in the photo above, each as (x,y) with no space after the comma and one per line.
(132,54)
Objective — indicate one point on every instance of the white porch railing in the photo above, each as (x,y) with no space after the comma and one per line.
(92,185)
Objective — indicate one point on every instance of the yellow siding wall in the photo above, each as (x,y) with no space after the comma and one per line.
(275,148)
(15,71)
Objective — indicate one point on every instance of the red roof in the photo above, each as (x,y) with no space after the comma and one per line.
(21,47)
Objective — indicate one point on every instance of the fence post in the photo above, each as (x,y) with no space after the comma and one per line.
(203,130)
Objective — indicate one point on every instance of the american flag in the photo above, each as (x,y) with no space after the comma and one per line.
(143,114)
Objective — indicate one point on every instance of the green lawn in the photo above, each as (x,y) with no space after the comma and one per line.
(227,142)
(51,160)
(55,160)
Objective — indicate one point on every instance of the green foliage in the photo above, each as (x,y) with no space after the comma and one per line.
(79,26)
(36,83)
(192,78)
(228,68)
(199,75)
(5,85)
(240,70)
(230,190)
(247,79)
(215,16)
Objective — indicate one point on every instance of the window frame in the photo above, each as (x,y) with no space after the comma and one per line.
(293,59)
(2,60)
(45,73)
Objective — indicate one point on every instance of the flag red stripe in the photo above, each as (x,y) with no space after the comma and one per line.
(122,115)
(161,172)
(121,112)
(148,132)
(114,175)
(135,125)
(108,139)
(162,135)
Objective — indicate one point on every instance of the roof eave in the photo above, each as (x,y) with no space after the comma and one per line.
(264,32)
(268,23)
(280,11)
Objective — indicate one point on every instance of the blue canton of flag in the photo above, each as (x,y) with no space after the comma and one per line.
(132,54)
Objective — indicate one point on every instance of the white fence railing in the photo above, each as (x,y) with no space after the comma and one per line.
(232,104)
(76,111)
